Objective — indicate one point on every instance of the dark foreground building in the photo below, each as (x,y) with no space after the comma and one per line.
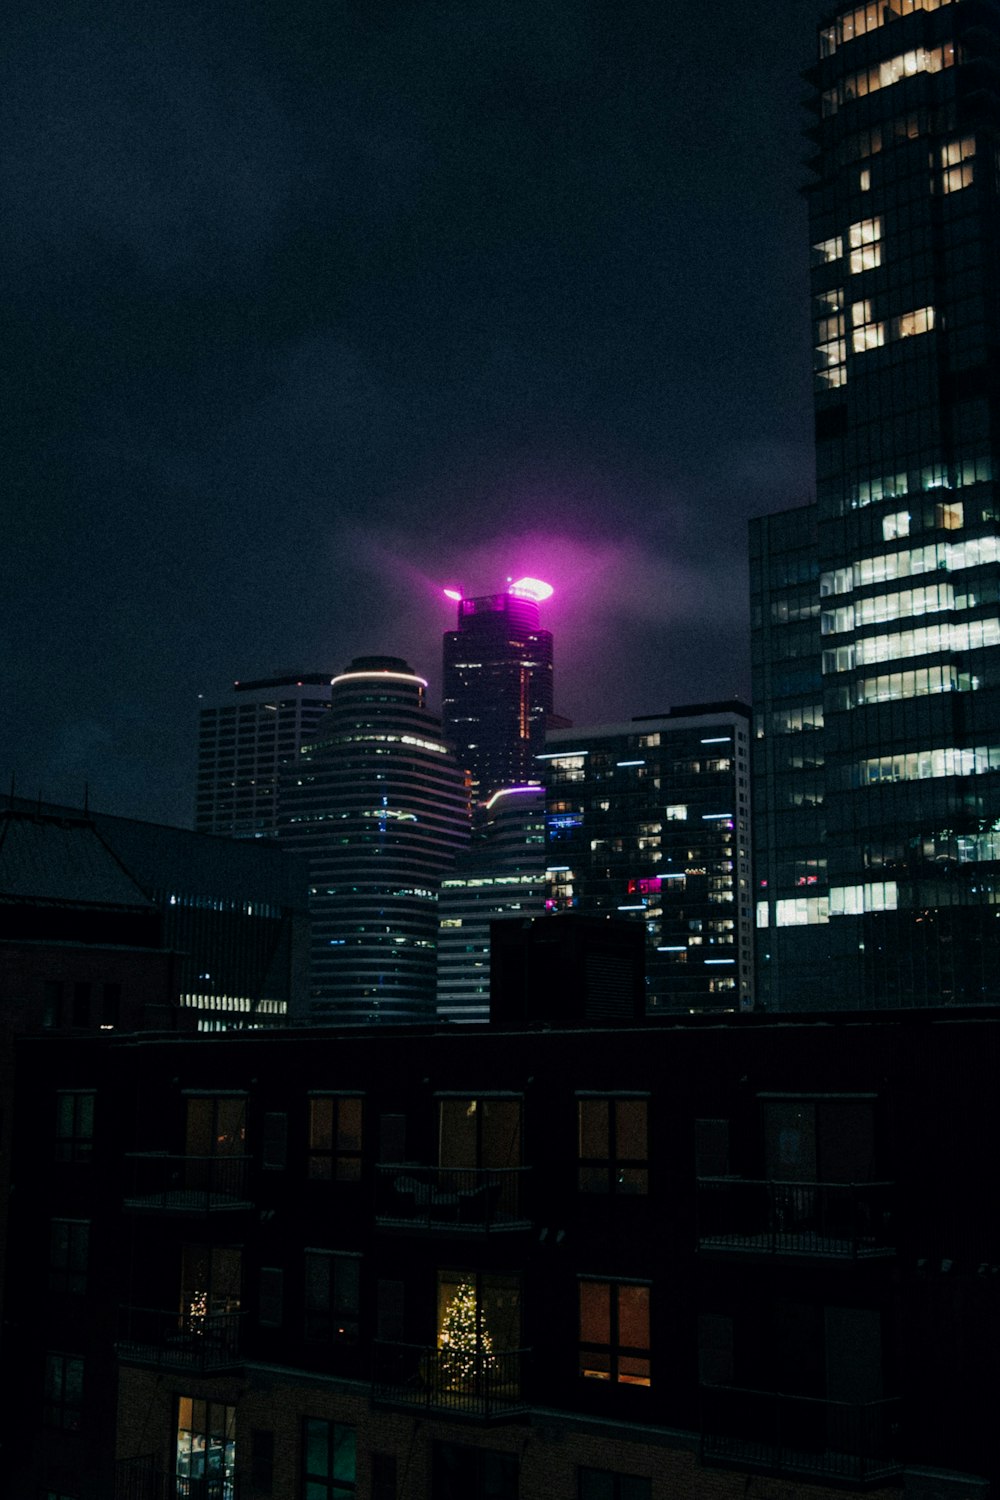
(657,1261)
(876,618)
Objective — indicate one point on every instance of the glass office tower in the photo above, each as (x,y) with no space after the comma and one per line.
(379,807)
(876,611)
(245,744)
(650,821)
(497,687)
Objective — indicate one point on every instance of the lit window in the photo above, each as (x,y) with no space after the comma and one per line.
(920,320)
(854,900)
(828,250)
(675,812)
(328,1459)
(206,1448)
(801,911)
(865,180)
(614,1332)
(612,1141)
(957,168)
(478,1333)
(335,1139)
(864,238)
(951,516)
(895,525)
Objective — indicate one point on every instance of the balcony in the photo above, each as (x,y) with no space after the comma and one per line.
(187,1184)
(200,1342)
(475,1383)
(476,1200)
(144,1479)
(826,1220)
(802,1436)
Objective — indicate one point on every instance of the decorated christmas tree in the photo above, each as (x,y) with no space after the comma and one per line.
(464,1344)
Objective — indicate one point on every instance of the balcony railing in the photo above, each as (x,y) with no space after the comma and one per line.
(853,1443)
(180,1341)
(144,1479)
(187,1184)
(839,1220)
(473,1383)
(480,1199)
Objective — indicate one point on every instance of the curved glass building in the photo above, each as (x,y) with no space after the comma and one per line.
(380,807)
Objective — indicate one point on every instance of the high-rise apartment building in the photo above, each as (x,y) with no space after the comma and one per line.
(243,745)
(502,875)
(876,611)
(651,820)
(497,686)
(379,807)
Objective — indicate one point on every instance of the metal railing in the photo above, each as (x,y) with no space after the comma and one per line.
(852,1220)
(800,1435)
(180,1341)
(471,1383)
(187,1184)
(144,1478)
(436,1198)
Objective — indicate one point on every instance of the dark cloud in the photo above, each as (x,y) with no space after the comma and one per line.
(312,309)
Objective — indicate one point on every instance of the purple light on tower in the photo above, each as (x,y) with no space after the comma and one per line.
(531,588)
(455,594)
(497,684)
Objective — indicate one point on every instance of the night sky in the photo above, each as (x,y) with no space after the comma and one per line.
(315,306)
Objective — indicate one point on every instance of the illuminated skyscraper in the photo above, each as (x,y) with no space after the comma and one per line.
(378,806)
(497,686)
(244,744)
(876,611)
(650,821)
(501,876)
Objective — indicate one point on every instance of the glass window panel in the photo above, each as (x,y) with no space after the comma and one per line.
(595,1312)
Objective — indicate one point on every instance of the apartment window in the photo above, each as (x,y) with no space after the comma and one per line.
(866,250)
(74,1126)
(69,1241)
(867,331)
(63,1392)
(614,1332)
(205,1459)
(462,1472)
(612,1142)
(329,1461)
(604,1484)
(332,1292)
(335,1138)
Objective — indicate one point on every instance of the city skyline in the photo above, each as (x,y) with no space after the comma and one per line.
(314,312)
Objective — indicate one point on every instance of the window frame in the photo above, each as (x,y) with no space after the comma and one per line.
(327,1485)
(611,1173)
(334,1151)
(342,1303)
(617,1353)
